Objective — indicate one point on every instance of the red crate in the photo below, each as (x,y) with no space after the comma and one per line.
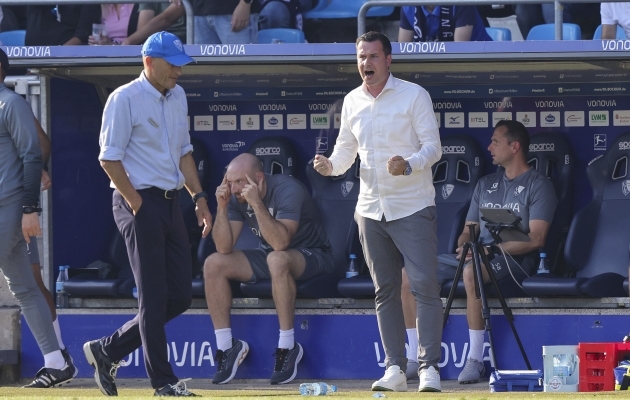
(597,362)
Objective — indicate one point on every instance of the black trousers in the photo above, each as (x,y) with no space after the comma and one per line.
(157,244)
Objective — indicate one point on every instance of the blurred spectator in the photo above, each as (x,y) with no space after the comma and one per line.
(157,17)
(441,24)
(61,24)
(614,14)
(283,13)
(120,20)
(13,18)
(582,14)
(226,21)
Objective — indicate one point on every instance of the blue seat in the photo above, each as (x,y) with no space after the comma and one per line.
(337,9)
(500,34)
(12,38)
(621,34)
(548,32)
(286,35)
(597,243)
(454,179)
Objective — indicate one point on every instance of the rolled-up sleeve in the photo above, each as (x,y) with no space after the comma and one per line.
(186,145)
(425,126)
(116,128)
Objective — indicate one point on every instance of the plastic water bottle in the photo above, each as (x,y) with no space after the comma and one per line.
(542,267)
(352,267)
(134,292)
(317,389)
(62,296)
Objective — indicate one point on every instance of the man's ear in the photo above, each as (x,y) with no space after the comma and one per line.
(260,177)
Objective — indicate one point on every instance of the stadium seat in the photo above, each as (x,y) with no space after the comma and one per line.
(454,179)
(499,34)
(597,243)
(12,38)
(548,32)
(277,154)
(285,35)
(337,9)
(621,34)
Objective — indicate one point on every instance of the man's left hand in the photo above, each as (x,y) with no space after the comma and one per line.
(46,182)
(250,192)
(396,165)
(204,217)
(30,226)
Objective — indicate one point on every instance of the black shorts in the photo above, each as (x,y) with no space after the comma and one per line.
(317,260)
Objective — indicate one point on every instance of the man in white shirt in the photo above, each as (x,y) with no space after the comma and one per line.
(390,124)
(614,14)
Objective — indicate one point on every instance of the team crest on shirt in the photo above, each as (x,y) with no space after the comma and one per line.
(178,44)
(447,190)
(494,188)
(625,187)
(270,211)
(346,188)
(518,190)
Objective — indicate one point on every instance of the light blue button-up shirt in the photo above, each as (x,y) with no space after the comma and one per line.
(147,132)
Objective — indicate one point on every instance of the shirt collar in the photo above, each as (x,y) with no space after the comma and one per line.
(150,89)
(389,85)
(436,11)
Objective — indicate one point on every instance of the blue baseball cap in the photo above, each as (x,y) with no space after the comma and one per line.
(167,46)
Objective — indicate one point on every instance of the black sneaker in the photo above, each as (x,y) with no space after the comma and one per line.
(178,389)
(70,361)
(286,364)
(229,360)
(105,369)
(49,377)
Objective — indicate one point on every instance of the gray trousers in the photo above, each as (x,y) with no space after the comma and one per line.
(16,267)
(388,246)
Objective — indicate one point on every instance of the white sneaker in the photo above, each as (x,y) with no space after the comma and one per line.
(394,380)
(429,380)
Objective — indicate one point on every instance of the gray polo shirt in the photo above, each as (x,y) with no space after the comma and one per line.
(20,154)
(286,198)
(147,132)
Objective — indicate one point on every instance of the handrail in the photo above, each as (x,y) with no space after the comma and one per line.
(189,10)
(558,8)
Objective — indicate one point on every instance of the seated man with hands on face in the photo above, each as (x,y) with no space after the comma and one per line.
(293,246)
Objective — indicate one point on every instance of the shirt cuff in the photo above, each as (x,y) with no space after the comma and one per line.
(111,154)
(415,163)
(185,150)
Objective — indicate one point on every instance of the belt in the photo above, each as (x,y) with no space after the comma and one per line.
(167,194)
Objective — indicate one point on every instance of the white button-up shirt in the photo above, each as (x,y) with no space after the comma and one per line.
(147,132)
(398,122)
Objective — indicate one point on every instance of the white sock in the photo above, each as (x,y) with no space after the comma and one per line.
(224,338)
(58,333)
(412,338)
(287,339)
(54,360)
(476,344)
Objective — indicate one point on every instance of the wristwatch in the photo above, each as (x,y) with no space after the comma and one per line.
(407,168)
(199,195)
(31,209)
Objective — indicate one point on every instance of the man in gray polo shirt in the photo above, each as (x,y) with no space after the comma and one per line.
(293,246)
(531,196)
(20,173)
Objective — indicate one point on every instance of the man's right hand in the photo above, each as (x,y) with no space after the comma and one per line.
(30,226)
(223,193)
(459,251)
(135,203)
(240,17)
(322,165)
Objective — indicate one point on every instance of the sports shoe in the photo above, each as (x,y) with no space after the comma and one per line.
(394,380)
(229,360)
(286,364)
(70,361)
(50,377)
(104,369)
(429,380)
(472,372)
(177,389)
(412,370)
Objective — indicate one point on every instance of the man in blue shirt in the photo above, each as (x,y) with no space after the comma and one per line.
(146,152)
(441,24)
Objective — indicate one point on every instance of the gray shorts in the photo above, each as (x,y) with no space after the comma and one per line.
(317,260)
(520,266)
(33,251)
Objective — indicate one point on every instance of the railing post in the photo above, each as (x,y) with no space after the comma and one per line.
(558,8)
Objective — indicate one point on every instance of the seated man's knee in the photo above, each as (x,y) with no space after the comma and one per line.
(279,263)
(216,265)
(274,15)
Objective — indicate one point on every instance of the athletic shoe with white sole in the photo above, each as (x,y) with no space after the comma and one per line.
(50,377)
(69,360)
(472,372)
(287,361)
(394,380)
(177,390)
(104,369)
(429,380)
(229,360)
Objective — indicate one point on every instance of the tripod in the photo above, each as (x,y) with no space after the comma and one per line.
(479,257)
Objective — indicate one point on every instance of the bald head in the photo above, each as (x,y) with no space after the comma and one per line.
(241,170)
(247,162)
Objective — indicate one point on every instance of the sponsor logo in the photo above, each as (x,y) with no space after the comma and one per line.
(28,51)
(453,149)
(226,122)
(542,147)
(296,121)
(222,50)
(566,159)
(178,44)
(574,118)
(549,104)
(232,146)
(598,118)
(490,91)
(624,145)
(337,120)
(422,47)
(320,107)
(262,94)
(493,188)
(554,383)
(272,107)
(599,142)
(550,118)
(477,119)
(454,120)
(346,187)
(250,122)
(268,151)
(495,105)
(527,118)
(621,118)
(447,190)
(321,144)
(272,121)
(625,187)
(447,105)
(204,123)
(500,116)
(518,190)
(222,107)
(320,121)
(601,103)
